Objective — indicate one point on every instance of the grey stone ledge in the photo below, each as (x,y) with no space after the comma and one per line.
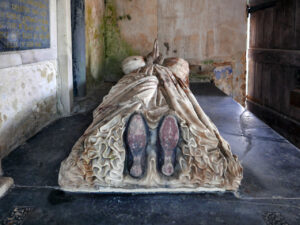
(11,59)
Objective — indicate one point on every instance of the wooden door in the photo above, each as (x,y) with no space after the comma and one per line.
(274,65)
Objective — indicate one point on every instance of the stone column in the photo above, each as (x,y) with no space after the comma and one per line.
(64,57)
(78,47)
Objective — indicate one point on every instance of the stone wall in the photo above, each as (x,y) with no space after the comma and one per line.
(36,84)
(211,35)
(138,23)
(27,102)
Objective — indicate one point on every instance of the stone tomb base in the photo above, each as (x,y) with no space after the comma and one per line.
(139,174)
(150,135)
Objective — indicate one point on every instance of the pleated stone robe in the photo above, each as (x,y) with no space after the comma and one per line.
(154,88)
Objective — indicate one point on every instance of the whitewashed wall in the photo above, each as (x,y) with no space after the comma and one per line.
(28,101)
(35,84)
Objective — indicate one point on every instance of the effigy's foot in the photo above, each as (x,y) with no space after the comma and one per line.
(136,139)
(168,141)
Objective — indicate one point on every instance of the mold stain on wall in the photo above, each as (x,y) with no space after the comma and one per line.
(105,47)
(115,48)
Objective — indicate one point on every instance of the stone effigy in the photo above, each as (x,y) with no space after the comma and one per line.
(150,135)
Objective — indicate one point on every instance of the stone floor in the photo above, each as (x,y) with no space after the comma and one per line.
(269,194)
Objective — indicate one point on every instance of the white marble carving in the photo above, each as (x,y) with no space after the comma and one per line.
(155,89)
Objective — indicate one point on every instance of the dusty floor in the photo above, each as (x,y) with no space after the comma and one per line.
(269,194)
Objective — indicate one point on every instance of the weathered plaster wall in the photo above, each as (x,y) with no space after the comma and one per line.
(138,23)
(36,85)
(94,13)
(211,35)
(27,102)
(116,47)
(130,28)
(116,29)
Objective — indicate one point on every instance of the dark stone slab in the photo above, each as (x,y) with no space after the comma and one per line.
(56,207)
(271,163)
(269,194)
(37,162)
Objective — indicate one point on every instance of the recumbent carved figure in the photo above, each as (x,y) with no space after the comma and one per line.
(150,134)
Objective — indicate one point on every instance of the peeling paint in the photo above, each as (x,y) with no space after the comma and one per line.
(44,73)
(15,104)
(50,77)
(222,72)
(223,79)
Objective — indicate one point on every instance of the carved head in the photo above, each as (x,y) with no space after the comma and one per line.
(179,67)
(132,63)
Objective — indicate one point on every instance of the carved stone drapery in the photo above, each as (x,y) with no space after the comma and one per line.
(97,161)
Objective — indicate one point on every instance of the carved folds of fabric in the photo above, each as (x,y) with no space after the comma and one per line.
(98,157)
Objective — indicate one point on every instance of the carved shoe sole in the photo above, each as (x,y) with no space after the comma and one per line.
(168,140)
(136,143)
